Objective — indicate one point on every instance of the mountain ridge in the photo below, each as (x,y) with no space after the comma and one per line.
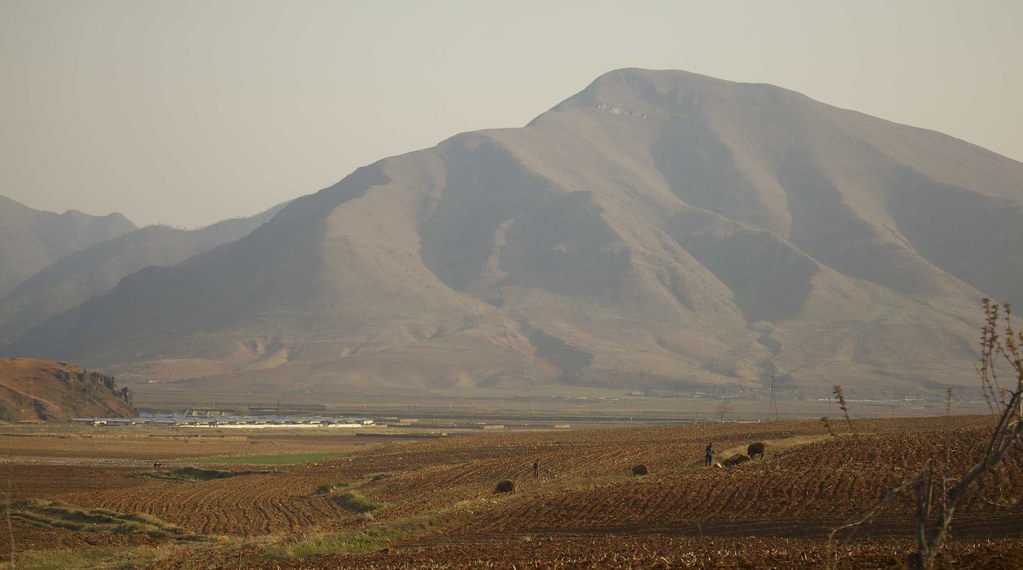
(32,239)
(94,270)
(655,228)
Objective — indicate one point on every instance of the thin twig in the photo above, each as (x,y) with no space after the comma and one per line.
(241,549)
(10,525)
(840,397)
(934,531)
(869,514)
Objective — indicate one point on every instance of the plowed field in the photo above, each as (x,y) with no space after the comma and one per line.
(432,503)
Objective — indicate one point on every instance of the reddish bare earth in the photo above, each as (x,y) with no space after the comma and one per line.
(40,390)
(432,503)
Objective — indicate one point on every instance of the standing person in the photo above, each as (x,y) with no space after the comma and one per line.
(536,469)
(709,458)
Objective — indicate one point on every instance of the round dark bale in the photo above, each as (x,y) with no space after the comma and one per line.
(735,460)
(640,470)
(505,486)
(755,449)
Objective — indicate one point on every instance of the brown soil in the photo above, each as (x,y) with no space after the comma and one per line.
(141,444)
(585,509)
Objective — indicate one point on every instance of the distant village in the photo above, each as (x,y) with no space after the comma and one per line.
(227,419)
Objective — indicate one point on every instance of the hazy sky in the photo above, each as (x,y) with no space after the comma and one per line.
(189,112)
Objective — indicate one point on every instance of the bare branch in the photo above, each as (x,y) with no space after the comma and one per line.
(1004,437)
(827,426)
(933,531)
(869,514)
(840,397)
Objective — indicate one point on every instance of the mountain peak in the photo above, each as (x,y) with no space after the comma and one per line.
(659,94)
(657,230)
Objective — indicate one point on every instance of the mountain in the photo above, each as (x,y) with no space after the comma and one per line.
(34,390)
(31,240)
(659,229)
(95,270)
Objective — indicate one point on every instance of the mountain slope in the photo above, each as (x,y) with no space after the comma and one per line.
(95,270)
(30,239)
(658,229)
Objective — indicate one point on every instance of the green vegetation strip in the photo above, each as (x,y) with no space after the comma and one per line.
(356,503)
(98,558)
(376,536)
(328,488)
(54,514)
(368,539)
(194,474)
(266,459)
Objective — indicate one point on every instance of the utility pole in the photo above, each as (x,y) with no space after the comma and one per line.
(774,399)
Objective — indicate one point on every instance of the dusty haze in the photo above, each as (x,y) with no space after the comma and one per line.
(192,112)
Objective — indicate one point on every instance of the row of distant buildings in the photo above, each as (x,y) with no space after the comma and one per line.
(198,418)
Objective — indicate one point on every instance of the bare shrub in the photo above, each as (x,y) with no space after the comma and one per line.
(827,426)
(840,398)
(10,526)
(937,491)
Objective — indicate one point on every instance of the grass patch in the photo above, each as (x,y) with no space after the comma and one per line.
(54,514)
(266,459)
(98,558)
(327,488)
(368,539)
(375,537)
(775,448)
(356,502)
(194,474)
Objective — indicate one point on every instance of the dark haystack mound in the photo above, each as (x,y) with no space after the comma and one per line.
(735,460)
(640,470)
(755,449)
(505,486)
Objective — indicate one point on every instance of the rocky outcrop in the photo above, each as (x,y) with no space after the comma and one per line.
(43,390)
